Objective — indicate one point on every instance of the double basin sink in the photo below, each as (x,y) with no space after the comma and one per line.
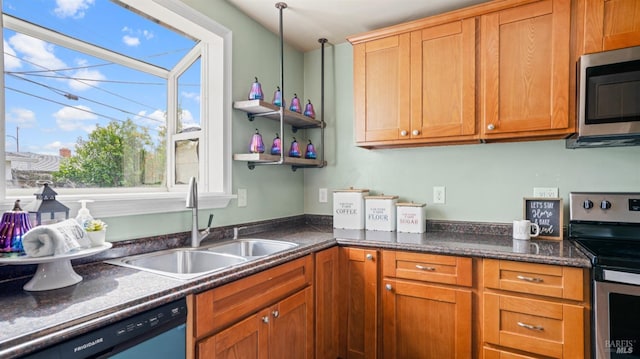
(188,263)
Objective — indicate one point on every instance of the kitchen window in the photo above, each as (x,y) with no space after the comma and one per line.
(116,101)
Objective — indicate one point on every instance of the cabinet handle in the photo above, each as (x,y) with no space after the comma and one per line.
(369,256)
(530,279)
(491,127)
(265,319)
(425,268)
(403,133)
(388,287)
(275,313)
(531,327)
(415,132)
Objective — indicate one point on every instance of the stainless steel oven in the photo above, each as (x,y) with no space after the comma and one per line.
(607,227)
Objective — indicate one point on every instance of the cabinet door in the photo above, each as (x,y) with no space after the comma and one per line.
(291,330)
(525,71)
(381,89)
(247,339)
(327,306)
(443,81)
(358,336)
(607,25)
(425,321)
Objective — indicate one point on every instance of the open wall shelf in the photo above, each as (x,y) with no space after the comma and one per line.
(260,108)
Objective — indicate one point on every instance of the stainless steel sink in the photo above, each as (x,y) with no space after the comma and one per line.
(182,263)
(251,248)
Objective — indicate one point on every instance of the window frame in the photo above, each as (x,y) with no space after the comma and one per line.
(215,168)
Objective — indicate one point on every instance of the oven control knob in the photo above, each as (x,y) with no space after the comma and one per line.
(587,204)
(605,205)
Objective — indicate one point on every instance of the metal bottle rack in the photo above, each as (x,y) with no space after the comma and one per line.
(260,108)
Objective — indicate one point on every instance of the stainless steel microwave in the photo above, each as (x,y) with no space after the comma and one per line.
(608,99)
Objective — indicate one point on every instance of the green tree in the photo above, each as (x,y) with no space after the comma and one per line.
(111,156)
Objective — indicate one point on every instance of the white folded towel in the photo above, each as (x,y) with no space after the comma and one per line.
(55,239)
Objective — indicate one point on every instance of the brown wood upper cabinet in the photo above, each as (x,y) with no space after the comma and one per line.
(524,67)
(492,72)
(607,25)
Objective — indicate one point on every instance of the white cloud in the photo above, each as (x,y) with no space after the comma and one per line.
(36,51)
(11,62)
(21,116)
(72,8)
(75,118)
(132,36)
(85,77)
(130,40)
(191,95)
(152,120)
(188,120)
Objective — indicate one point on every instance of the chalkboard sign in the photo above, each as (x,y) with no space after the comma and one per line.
(547,213)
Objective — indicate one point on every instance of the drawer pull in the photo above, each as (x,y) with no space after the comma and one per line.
(531,327)
(431,269)
(369,256)
(388,287)
(275,314)
(265,319)
(530,279)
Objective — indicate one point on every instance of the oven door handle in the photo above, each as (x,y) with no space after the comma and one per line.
(530,279)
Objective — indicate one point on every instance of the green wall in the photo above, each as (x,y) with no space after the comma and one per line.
(484,182)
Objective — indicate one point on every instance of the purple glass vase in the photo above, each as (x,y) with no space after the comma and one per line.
(256,145)
(277,98)
(295,104)
(311,152)
(309,111)
(294,150)
(276,147)
(256,91)
(14,225)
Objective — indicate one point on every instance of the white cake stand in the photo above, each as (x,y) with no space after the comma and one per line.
(54,271)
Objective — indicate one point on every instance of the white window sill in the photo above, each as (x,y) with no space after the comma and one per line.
(116,205)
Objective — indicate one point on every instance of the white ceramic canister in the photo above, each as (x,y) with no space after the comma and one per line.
(411,217)
(348,208)
(380,213)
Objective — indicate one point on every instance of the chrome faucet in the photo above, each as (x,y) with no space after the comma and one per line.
(192,202)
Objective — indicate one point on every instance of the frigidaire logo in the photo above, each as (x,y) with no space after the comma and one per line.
(88,345)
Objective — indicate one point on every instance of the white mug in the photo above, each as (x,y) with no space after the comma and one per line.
(522,229)
(525,246)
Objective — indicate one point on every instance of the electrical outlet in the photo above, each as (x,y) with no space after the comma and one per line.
(242,197)
(545,192)
(322,195)
(439,194)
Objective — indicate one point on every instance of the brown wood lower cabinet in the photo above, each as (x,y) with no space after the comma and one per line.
(426,306)
(280,331)
(534,310)
(359,278)
(266,315)
(425,321)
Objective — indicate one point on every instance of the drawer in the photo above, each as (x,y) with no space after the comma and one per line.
(533,278)
(427,267)
(491,353)
(535,326)
(220,307)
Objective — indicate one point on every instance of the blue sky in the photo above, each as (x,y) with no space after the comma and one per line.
(40,101)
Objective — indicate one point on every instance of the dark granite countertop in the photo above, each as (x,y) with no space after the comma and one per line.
(108,293)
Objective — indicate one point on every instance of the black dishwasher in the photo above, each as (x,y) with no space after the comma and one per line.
(157,333)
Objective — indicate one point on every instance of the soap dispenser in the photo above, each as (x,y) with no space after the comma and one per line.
(84,217)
